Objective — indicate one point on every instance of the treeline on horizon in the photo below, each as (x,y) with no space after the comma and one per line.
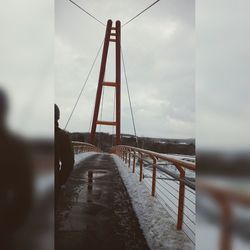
(167,146)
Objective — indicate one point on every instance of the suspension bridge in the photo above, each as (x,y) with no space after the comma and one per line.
(129,198)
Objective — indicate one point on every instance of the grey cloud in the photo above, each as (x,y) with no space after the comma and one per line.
(159,54)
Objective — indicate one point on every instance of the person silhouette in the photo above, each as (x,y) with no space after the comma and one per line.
(64,154)
(16,182)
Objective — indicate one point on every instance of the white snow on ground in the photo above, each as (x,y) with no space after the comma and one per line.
(189,158)
(167,193)
(157,224)
(82,156)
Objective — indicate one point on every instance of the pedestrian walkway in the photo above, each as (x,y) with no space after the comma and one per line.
(94,212)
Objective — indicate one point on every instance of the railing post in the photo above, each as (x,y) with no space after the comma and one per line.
(141,166)
(181,198)
(134,161)
(226,215)
(153,176)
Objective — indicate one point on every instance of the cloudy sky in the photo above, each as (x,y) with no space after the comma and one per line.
(26,64)
(222,74)
(159,53)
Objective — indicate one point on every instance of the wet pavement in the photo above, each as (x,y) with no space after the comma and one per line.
(94,211)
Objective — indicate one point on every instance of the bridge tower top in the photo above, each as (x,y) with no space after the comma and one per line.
(113,34)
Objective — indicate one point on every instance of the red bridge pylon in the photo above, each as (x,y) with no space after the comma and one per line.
(113,34)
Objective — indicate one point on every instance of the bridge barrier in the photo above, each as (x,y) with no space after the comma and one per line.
(172,183)
(80,147)
(227,200)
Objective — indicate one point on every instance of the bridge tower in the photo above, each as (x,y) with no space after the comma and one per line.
(113,34)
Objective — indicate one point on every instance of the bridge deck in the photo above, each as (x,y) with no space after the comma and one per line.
(94,211)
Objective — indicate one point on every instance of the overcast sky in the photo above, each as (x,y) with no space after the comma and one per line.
(26,64)
(159,53)
(223,74)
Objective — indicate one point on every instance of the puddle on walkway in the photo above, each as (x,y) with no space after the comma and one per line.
(95,174)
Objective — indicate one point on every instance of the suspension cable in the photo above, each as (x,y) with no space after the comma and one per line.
(100,126)
(140,13)
(90,122)
(91,119)
(87,78)
(128,92)
(92,16)
(87,12)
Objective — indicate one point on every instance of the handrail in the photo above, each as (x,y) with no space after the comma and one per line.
(185,164)
(125,152)
(224,193)
(80,147)
(225,198)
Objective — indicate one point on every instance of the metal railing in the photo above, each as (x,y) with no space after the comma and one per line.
(80,147)
(227,199)
(167,179)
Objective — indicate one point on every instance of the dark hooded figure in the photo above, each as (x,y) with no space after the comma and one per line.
(64,154)
(15,179)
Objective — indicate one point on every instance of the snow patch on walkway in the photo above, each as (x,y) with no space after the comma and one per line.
(82,156)
(157,225)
